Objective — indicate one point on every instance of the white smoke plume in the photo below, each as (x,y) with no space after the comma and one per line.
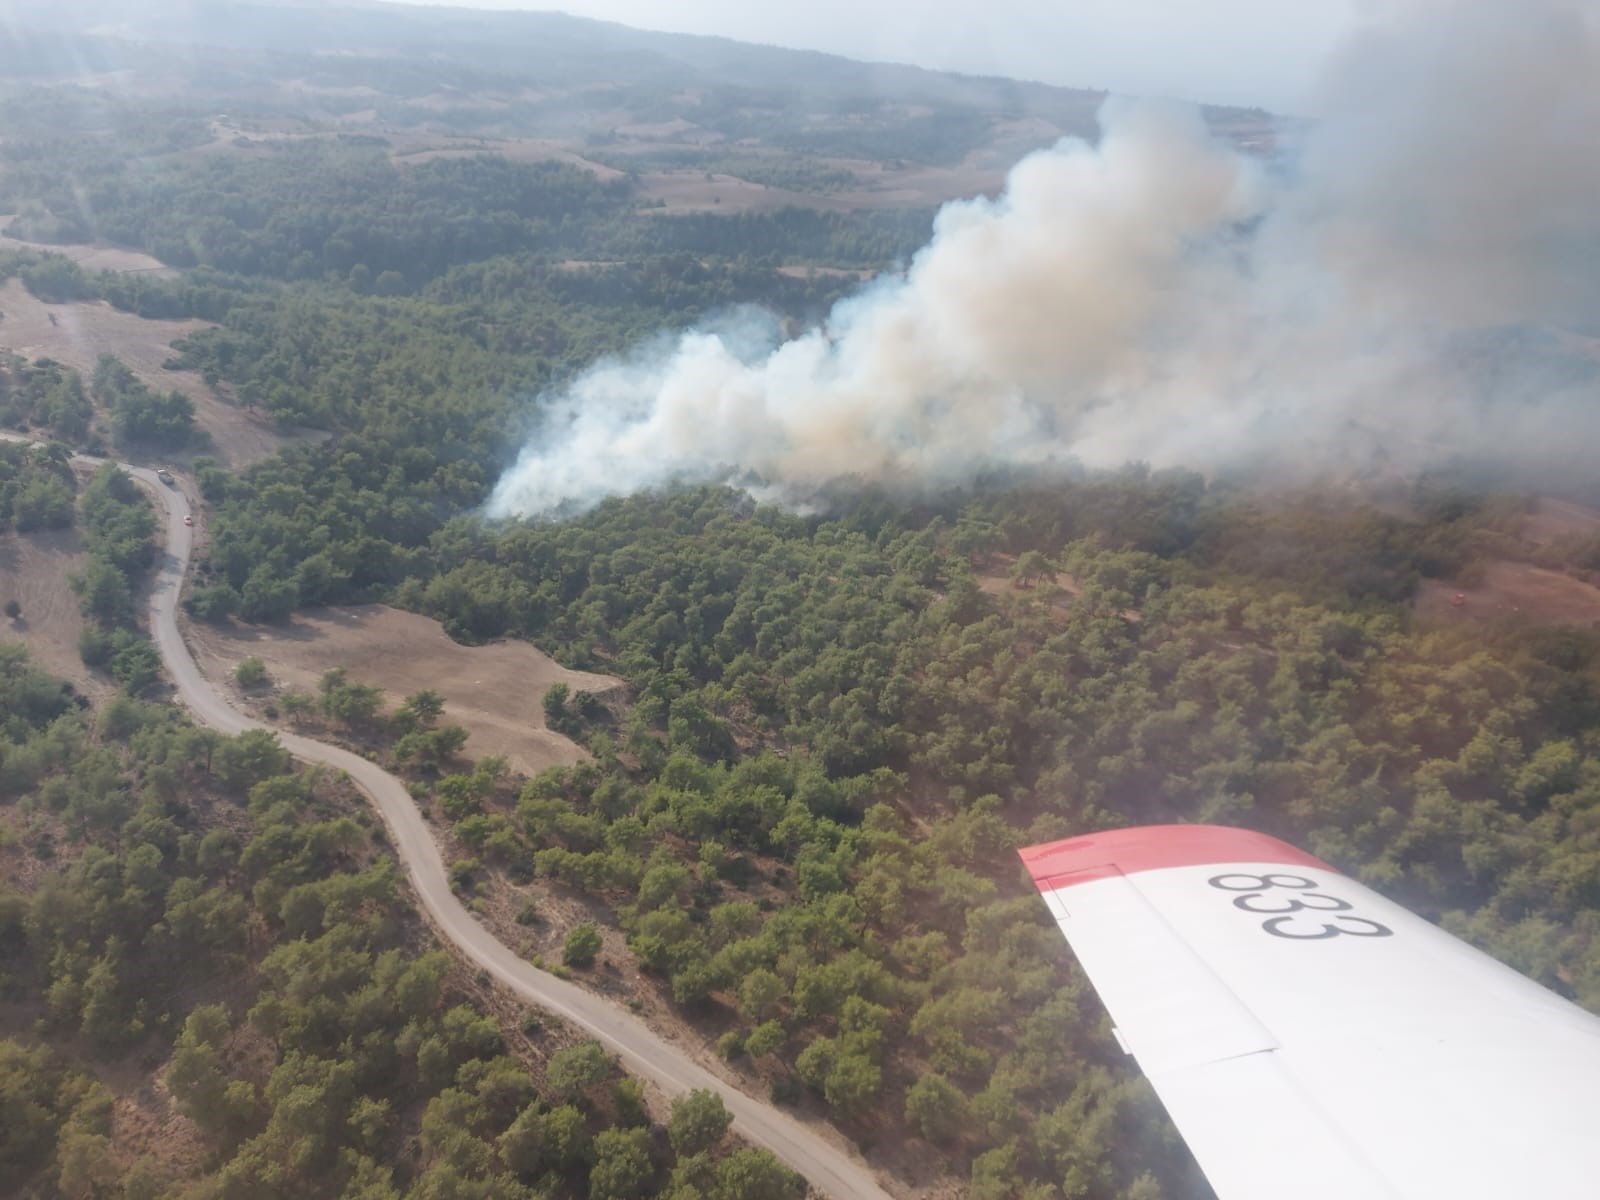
(1392,286)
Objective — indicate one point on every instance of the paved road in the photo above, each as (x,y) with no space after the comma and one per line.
(832,1169)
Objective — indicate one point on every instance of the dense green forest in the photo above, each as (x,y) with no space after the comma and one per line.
(119,528)
(42,397)
(180,904)
(141,418)
(276,214)
(840,735)
(841,726)
(37,488)
(341,209)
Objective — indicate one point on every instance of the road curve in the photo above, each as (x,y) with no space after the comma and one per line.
(831,1169)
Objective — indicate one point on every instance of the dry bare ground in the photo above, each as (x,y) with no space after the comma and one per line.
(496,691)
(81,333)
(995,579)
(882,185)
(1513,589)
(33,571)
(879,188)
(691,191)
(810,272)
(1559,518)
(95,257)
(415,151)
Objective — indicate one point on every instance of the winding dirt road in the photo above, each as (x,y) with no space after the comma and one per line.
(814,1151)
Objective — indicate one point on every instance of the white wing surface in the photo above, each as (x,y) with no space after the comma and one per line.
(1314,1041)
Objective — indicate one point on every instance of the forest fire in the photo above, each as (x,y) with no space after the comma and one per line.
(1160,297)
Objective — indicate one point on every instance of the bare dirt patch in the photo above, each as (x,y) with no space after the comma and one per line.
(691,191)
(879,186)
(80,333)
(1560,518)
(97,257)
(34,568)
(407,147)
(1512,589)
(809,272)
(890,185)
(495,691)
(676,130)
(996,580)
(413,151)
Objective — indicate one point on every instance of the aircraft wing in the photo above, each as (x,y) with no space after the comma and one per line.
(1314,1041)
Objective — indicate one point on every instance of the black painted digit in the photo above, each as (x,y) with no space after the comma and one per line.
(1288,904)
(1260,883)
(1292,904)
(1274,926)
(1334,904)
(1285,911)
(1374,930)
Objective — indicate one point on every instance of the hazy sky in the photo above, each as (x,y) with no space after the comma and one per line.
(1231,51)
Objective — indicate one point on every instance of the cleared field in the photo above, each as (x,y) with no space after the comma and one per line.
(80,333)
(912,186)
(94,258)
(1560,518)
(880,188)
(995,580)
(406,147)
(1513,589)
(413,151)
(810,272)
(33,571)
(691,191)
(495,691)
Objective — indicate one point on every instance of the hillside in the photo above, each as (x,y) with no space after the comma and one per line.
(774,810)
(545,84)
(214,985)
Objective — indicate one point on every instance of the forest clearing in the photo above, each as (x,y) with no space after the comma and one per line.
(34,571)
(77,334)
(494,691)
(1514,590)
(93,258)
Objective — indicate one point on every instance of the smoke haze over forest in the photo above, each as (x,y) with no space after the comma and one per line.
(1255,52)
(1162,297)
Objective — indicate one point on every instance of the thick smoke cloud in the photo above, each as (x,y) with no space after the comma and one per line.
(1417,281)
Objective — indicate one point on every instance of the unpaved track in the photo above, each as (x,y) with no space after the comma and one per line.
(830,1168)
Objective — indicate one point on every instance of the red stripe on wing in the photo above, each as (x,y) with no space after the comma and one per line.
(1055,865)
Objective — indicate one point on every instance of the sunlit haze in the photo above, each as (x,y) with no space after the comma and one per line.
(1259,52)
